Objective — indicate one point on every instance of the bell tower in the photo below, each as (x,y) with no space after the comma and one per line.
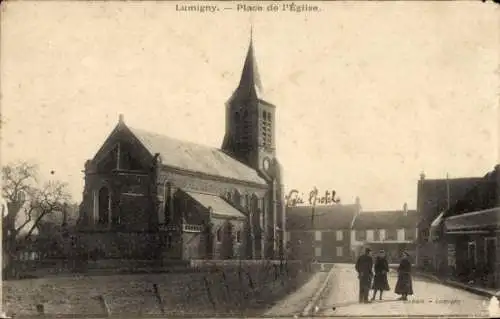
(250,121)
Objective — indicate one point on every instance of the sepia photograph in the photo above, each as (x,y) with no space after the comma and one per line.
(258,159)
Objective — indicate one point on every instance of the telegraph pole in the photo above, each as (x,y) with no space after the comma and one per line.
(312,200)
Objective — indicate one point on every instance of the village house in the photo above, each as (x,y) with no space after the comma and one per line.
(466,235)
(434,196)
(324,237)
(148,196)
(393,231)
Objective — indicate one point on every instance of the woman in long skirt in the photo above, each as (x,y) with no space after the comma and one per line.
(381,269)
(404,285)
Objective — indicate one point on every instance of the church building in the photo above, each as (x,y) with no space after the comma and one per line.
(151,196)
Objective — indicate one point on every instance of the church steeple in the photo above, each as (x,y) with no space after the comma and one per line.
(250,129)
(250,84)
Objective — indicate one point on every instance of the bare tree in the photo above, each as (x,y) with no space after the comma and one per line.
(23,195)
(18,181)
(50,198)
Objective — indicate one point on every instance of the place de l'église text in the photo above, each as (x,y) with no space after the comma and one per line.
(243,7)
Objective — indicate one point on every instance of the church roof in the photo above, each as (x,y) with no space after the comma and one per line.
(195,157)
(250,82)
(217,204)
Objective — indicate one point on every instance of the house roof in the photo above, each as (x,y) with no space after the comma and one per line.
(433,195)
(488,218)
(218,205)
(195,157)
(386,219)
(483,195)
(326,217)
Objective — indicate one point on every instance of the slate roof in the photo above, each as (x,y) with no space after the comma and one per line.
(250,81)
(432,195)
(326,217)
(385,219)
(489,218)
(195,157)
(218,205)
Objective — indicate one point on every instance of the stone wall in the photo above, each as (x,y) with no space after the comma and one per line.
(222,288)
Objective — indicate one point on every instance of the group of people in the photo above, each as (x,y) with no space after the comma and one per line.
(374,275)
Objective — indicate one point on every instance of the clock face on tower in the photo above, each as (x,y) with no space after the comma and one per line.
(266,163)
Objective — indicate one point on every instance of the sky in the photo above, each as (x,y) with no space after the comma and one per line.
(368,94)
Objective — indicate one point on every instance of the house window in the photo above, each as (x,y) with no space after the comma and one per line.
(400,234)
(360,235)
(410,234)
(317,251)
(317,235)
(382,234)
(369,235)
(219,235)
(391,234)
(376,235)
(238,236)
(339,251)
(339,235)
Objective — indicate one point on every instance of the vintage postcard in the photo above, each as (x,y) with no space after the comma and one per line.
(250,159)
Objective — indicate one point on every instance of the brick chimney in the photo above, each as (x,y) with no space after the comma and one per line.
(405,208)
(422,176)
(121,118)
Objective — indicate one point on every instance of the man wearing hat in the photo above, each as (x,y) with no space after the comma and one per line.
(364,266)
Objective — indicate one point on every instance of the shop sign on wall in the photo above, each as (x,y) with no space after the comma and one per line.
(294,198)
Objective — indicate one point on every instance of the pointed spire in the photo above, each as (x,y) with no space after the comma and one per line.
(250,80)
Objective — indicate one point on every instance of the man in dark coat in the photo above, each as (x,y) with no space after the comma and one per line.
(364,266)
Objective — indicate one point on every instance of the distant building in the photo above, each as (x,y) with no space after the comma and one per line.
(466,235)
(434,196)
(147,195)
(393,231)
(324,238)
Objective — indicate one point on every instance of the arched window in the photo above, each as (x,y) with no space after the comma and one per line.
(237,198)
(254,203)
(254,208)
(104,201)
(244,201)
(219,235)
(238,236)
